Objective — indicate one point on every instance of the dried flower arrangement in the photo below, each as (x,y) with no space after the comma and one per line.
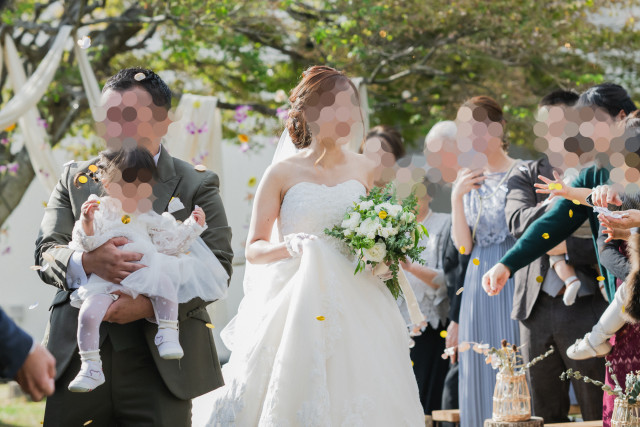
(632,384)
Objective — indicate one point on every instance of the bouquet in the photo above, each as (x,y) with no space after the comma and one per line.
(379,230)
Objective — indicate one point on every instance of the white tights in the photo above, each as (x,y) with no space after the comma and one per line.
(95,307)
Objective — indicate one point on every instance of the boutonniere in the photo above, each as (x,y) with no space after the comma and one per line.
(175,205)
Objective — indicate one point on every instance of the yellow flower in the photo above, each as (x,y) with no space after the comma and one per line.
(545,235)
(383,33)
(382,215)
(252,181)
(209,325)
(320,318)
(82,179)
(10,128)
(243,138)
(126,219)
(196,104)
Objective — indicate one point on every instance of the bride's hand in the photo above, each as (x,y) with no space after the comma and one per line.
(294,241)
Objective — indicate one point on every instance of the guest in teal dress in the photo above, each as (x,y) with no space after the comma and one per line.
(479,228)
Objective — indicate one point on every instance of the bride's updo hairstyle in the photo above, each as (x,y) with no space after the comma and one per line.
(316,92)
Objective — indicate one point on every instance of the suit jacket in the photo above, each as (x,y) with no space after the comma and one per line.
(14,346)
(454,265)
(523,207)
(199,370)
(559,226)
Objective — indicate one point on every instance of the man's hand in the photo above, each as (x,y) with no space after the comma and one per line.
(111,263)
(630,218)
(126,309)
(452,340)
(494,280)
(604,195)
(561,249)
(36,376)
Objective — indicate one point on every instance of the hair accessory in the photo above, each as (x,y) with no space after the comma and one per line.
(139,77)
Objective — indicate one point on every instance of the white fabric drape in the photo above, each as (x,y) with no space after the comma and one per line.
(196,135)
(22,107)
(364,106)
(89,81)
(28,94)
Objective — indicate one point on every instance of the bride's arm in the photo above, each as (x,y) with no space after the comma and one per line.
(266,208)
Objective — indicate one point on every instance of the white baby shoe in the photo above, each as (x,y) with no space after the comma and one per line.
(89,377)
(167,340)
(571,292)
(583,348)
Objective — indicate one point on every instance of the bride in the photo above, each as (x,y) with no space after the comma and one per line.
(312,343)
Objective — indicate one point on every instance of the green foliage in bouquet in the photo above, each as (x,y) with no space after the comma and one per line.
(378,229)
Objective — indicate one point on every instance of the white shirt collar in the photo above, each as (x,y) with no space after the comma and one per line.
(157,156)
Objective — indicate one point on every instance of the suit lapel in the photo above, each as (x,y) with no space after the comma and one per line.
(166,181)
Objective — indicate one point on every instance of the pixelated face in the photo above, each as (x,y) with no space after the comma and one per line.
(573,137)
(378,150)
(133,188)
(130,118)
(442,156)
(477,136)
(333,113)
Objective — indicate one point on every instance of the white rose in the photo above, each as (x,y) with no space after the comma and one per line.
(368,228)
(394,210)
(407,217)
(366,205)
(376,253)
(352,222)
(386,206)
(387,231)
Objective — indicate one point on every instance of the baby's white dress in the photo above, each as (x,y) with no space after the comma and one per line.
(176,258)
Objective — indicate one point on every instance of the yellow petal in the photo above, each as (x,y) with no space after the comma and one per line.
(545,235)
(87,423)
(539,279)
(462,250)
(82,179)
(476,261)
(320,318)
(35,267)
(623,308)
(412,363)
(209,325)
(44,204)
(243,138)
(600,279)
(459,291)
(443,334)
(200,168)
(577,202)
(126,219)
(252,181)
(570,213)
(93,168)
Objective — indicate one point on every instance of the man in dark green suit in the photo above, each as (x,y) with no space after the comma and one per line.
(141,388)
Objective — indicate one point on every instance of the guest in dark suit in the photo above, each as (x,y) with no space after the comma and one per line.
(537,301)
(24,360)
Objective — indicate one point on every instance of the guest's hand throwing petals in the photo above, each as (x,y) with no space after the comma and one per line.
(616,234)
(604,195)
(552,187)
(494,280)
(629,219)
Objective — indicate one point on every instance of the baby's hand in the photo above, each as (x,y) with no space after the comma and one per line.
(88,210)
(199,216)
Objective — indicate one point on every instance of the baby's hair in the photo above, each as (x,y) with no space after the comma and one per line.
(129,164)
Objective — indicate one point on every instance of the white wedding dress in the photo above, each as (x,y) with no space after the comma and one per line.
(312,343)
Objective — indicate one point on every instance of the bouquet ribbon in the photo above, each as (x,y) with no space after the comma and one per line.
(418,321)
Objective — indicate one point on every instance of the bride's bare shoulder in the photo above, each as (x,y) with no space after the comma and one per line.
(281,172)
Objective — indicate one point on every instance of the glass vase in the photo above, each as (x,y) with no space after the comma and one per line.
(511,398)
(625,414)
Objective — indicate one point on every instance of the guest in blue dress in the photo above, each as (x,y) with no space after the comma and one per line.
(479,228)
